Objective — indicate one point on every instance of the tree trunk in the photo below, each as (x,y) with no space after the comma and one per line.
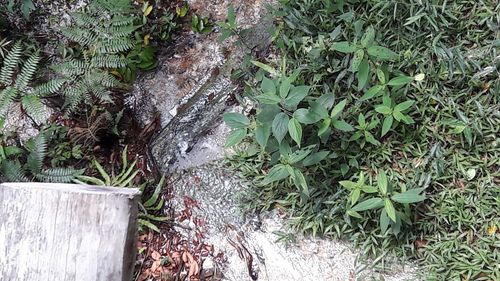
(67,232)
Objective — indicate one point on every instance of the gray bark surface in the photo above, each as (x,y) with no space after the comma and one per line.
(67,232)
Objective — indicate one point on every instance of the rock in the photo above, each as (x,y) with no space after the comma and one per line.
(250,243)
(189,89)
(19,123)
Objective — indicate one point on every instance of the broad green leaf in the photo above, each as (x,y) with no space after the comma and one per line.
(297,94)
(369,204)
(299,155)
(318,109)
(236,120)
(386,126)
(368,37)
(325,125)
(231,15)
(327,100)
(285,86)
(315,158)
(305,116)
(382,53)
(265,67)
(369,189)
(363,74)
(262,133)
(338,108)
(398,115)
(408,197)
(267,113)
(389,208)
(295,130)
(372,92)
(348,184)
(342,125)
(381,76)
(300,181)
(354,214)
(268,98)
(276,173)
(384,221)
(280,126)
(404,105)
(235,137)
(267,86)
(355,196)
(382,182)
(344,169)
(357,59)
(401,80)
(383,109)
(361,120)
(344,47)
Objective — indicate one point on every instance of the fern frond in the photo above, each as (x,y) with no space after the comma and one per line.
(27,72)
(84,19)
(102,94)
(108,61)
(37,148)
(121,20)
(112,6)
(109,80)
(74,95)
(84,37)
(121,31)
(34,107)
(13,171)
(51,87)
(58,175)
(114,45)
(10,63)
(7,96)
(70,68)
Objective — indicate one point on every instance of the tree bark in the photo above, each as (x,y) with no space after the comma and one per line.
(67,232)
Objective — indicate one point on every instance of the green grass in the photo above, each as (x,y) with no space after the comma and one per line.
(451,149)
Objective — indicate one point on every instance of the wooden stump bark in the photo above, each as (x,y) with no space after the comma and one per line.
(67,232)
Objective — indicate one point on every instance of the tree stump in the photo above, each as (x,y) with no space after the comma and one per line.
(67,232)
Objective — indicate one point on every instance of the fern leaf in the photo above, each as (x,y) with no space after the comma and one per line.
(13,171)
(84,37)
(70,68)
(58,175)
(84,19)
(114,45)
(51,87)
(10,63)
(109,80)
(34,107)
(108,61)
(7,96)
(37,148)
(122,20)
(122,31)
(27,71)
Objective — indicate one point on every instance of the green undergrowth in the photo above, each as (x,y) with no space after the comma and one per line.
(380,125)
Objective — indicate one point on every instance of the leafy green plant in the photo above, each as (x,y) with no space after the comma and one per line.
(201,24)
(392,88)
(124,178)
(15,81)
(383,199)
(149,207)
(27,163)
(104,31)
